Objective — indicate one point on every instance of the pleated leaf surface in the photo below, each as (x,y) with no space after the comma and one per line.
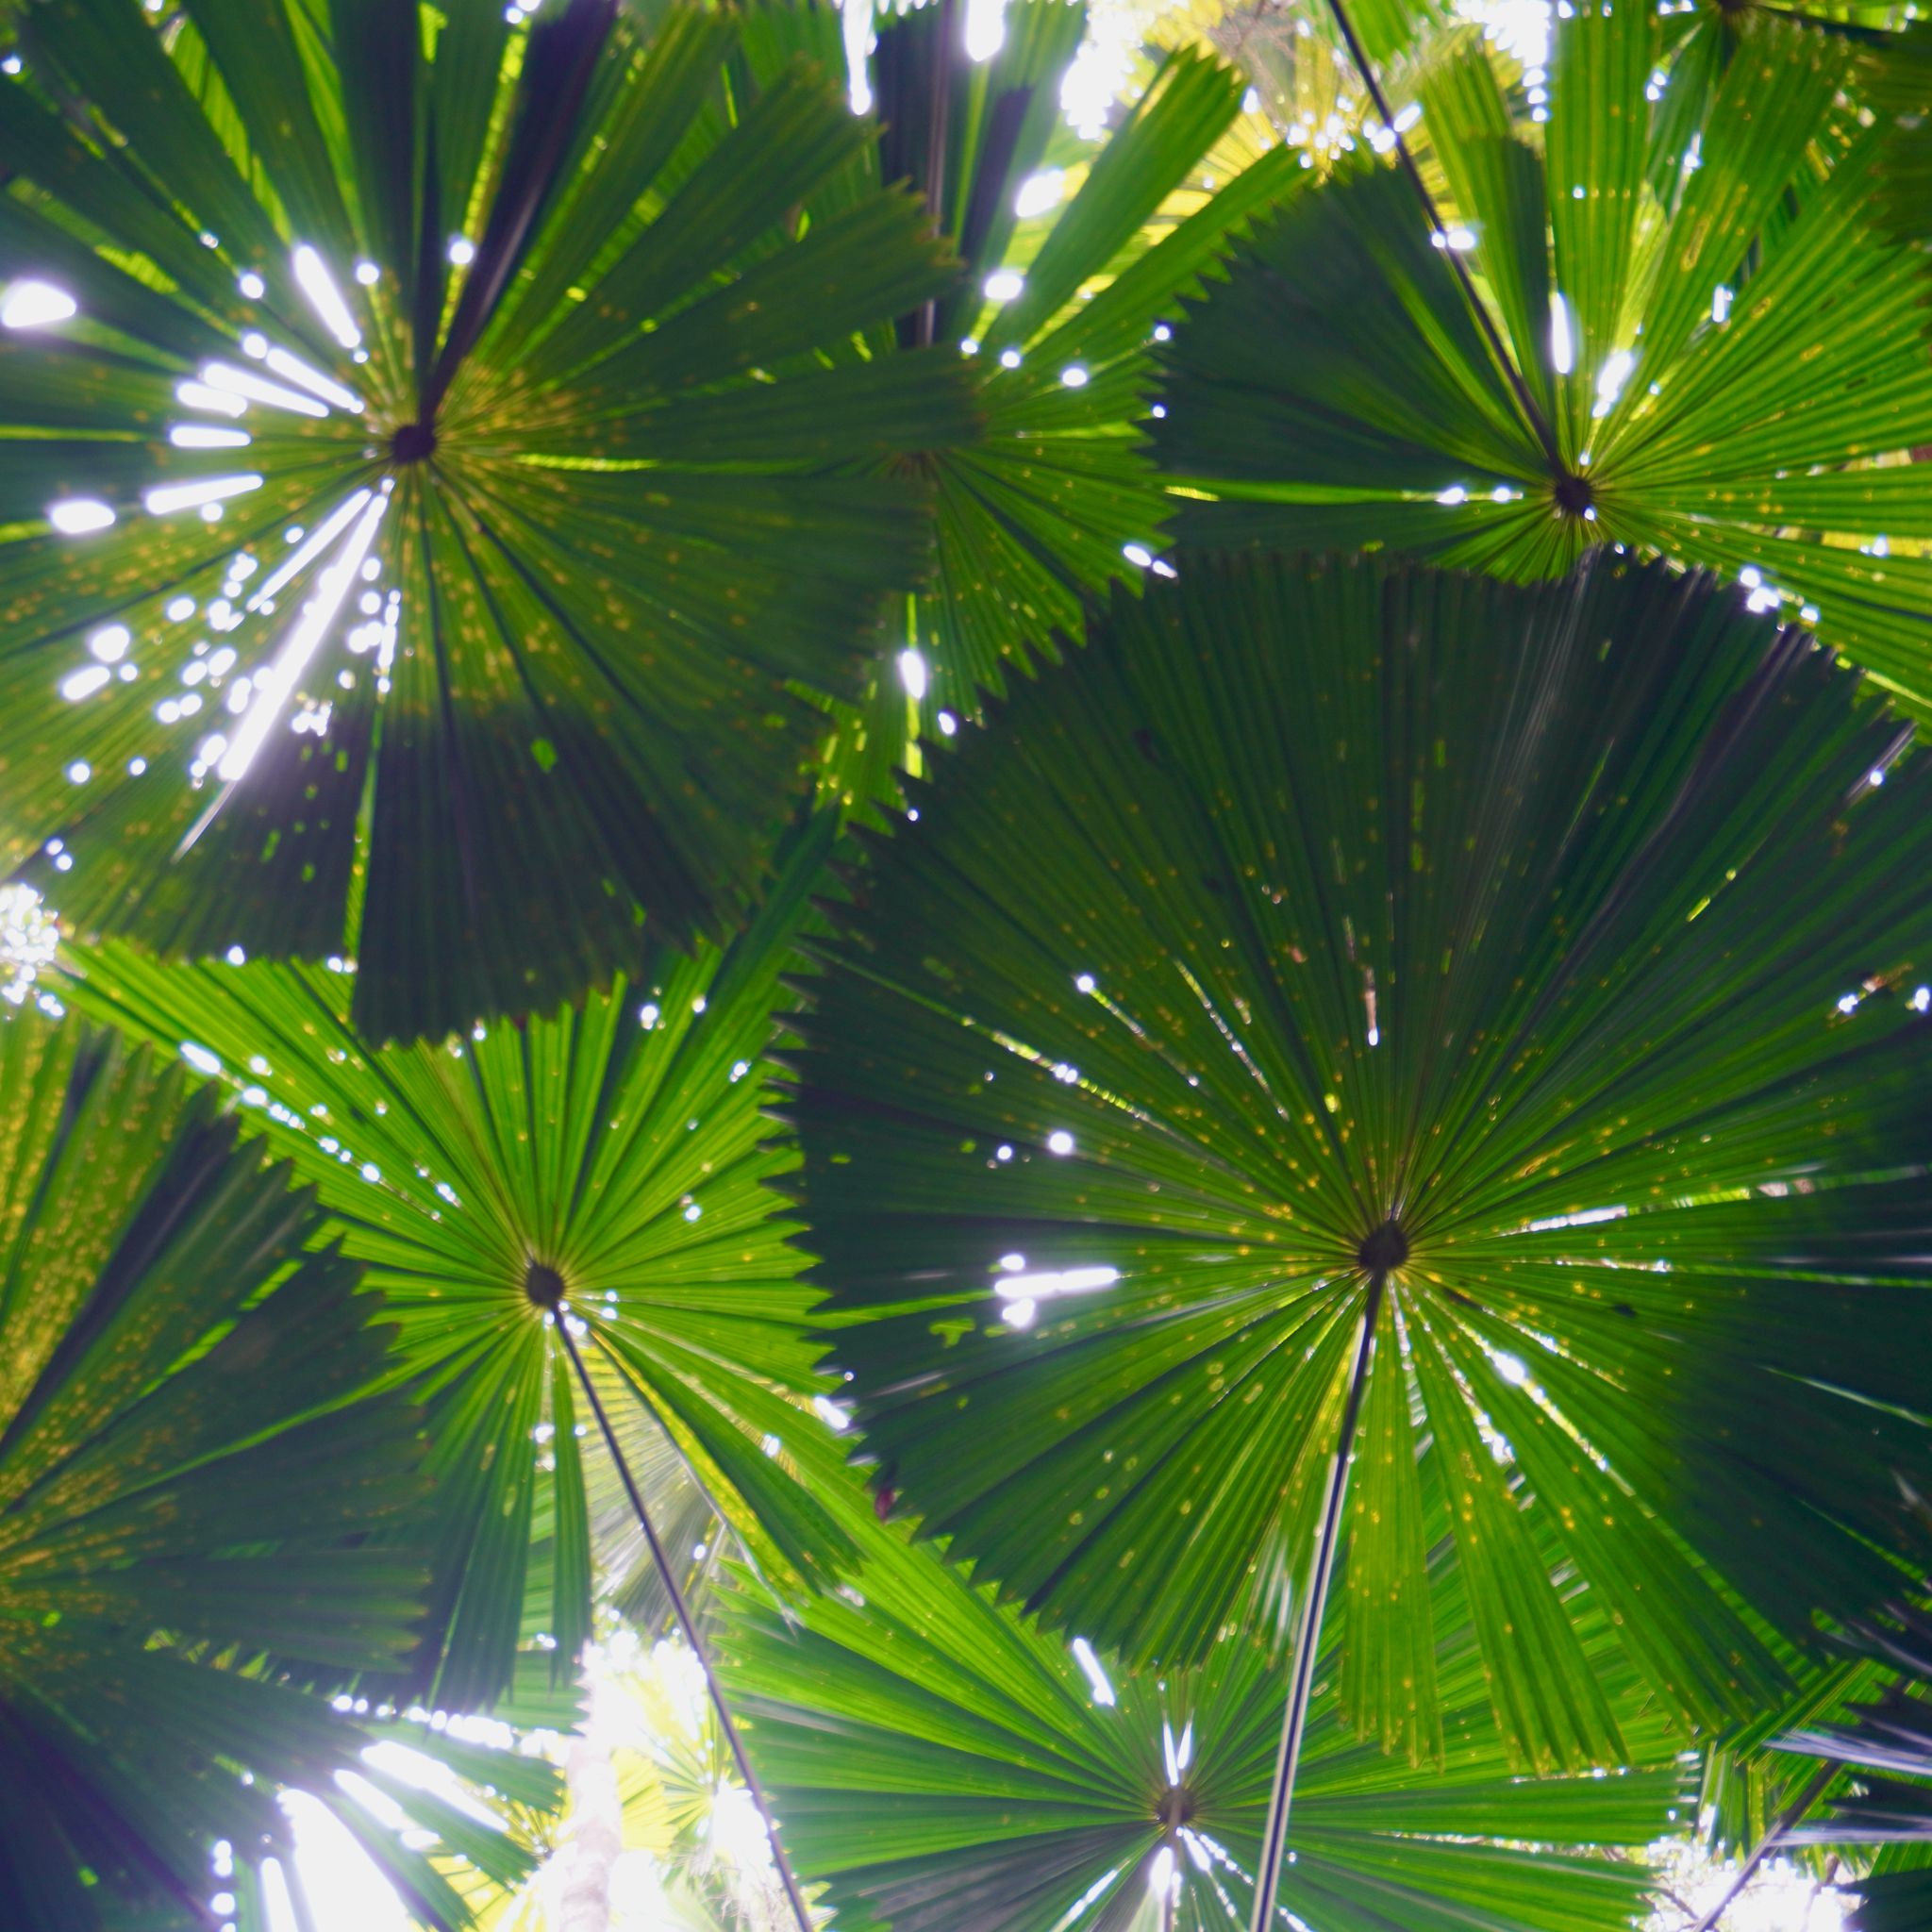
(622,1145)
(1576,930)
(517,380)
(942,1765)
(191,1459)
(1715,350)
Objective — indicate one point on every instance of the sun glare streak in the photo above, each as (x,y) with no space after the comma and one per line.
(1015,1288)
(1096,1674)
(275,686)
(207,436)
(324,298)
(342,1880)
(170,497)
(317,542)
(244,382)
(1562,343)
(35,304)
(198,395)
(294,370)
(986,28)
(77,516)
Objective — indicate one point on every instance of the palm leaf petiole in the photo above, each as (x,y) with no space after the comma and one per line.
(1773,1837)
(544,1286)
(1388,1248)
(926,331)
(1534,416)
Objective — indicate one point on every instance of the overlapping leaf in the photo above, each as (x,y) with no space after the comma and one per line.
(1034,515)
(528,374)
(185,1480)
(622,1146)
(1722,376)
(1037,517)
(945,1766)
(1883,1741)
(1573,929)
(1891,66)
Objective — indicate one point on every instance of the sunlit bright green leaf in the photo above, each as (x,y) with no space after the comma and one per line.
(533,374)
(622,1145)
(943,1767)
(1730,376)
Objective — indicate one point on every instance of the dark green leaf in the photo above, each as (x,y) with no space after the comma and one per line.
(1310,897)
(584,466)
(191,1469)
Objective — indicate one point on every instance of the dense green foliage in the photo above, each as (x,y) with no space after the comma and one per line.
(1316,898)
(618,551)
(152,1475)
(1116,953)
(621,1145)
(1709,336)
(942,1763)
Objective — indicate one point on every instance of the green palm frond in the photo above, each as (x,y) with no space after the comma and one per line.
(1879,1741)
(1891,65)
(189,1461)
(1057,311)
(622,1147)
(945,1766)
(1310,898)
(523,535)
(1058,498)
(1720,377)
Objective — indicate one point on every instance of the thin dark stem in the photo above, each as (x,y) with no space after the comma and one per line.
(559,62)
(936,151)
(1773,1838)
(1308,1636)
(1513,375)
(686,1623)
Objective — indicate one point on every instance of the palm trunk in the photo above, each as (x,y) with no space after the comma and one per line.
(584,1869)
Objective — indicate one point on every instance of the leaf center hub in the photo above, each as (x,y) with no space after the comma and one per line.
(413,443)
(1574,496)
(543,1286)
(1385,1249)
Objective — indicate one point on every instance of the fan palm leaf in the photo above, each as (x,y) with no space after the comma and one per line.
(1890,68)
(1883,1741)
(521,535)
(1321,930)
(1056,326)
(1055,313)
(188,1453)
(449,1819)
(944,1765)
(1715,376)
(620,1148)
